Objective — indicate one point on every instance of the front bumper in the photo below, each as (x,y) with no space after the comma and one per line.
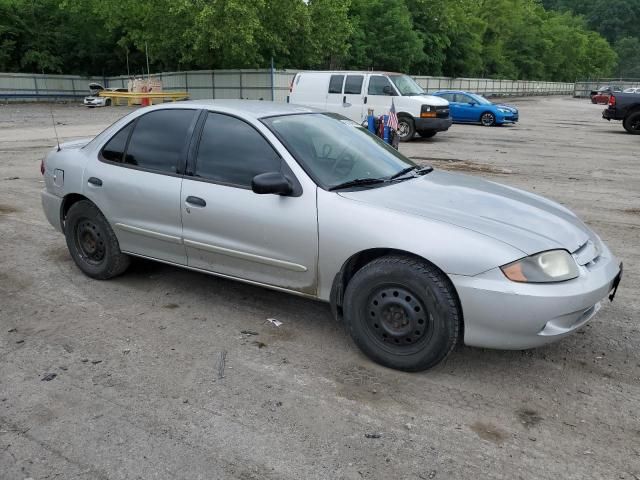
(508,118)
(52,206)
(499,313)
(435,124)
(94,101)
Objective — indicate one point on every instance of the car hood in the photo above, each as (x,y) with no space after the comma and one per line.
(523,220)
(429,99)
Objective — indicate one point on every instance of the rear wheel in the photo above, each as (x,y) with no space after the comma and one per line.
(92,243)
(632,123)
(406,129)
(402,312)
(107,102)
(488,119)
(427,133)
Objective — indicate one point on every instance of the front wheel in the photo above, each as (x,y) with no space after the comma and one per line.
(406,129)
(92,243)
(403,313)
(488,119)
(632,123)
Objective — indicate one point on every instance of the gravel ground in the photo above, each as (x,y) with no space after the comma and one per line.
(140,390)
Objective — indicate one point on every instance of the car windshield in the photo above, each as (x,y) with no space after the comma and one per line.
(480,99)
(406,85)
(334,150)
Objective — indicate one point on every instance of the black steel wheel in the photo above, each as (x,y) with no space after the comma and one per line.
(92,243)
(488,119)
(402,312)
(398,318)
(632,123)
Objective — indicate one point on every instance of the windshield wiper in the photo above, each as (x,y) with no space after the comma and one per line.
(418,170)
(402,172)
(357,182)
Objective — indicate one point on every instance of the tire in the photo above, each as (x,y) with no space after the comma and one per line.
(92,243)
(427,133)
(632,123)
(107,102)
(593,100)
(406,128)
(402,313)
(488,119)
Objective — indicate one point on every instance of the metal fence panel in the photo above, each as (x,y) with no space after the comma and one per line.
(252,84)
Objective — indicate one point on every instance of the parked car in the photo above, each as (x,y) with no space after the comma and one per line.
(631,90)
(602,94)
(467,107)
(413,259)
(625,107)
(352,94)
(95,100)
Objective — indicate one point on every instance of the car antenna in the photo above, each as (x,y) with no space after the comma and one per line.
(53,120)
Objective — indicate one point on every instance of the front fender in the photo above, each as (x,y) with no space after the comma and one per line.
(347,227)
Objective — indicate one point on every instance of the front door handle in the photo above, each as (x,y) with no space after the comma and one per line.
(196,201)
(95,181)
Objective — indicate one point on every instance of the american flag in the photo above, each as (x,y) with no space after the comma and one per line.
(392,123)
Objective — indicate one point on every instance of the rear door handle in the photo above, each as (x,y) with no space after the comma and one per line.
(196,201)
(95,181)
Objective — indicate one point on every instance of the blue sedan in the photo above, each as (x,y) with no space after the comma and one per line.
(469,107)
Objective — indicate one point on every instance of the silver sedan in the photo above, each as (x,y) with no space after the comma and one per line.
(413,260)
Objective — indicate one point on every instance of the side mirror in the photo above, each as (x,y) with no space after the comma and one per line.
(271,183)
(473,104)
(387,90)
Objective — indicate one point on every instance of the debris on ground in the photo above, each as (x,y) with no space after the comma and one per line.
(12,330)
(95,362)
(373,435)
(259,344)
(221,361)
(275,322)
(20,341)
(12,178)
(48,377)
(248,332)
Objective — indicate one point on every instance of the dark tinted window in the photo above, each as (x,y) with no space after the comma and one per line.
(377,84)
(353,84)
(114,149)
(335,84)
(159,138)
(231,151)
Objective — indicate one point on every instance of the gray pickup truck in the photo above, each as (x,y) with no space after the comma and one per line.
(625,107)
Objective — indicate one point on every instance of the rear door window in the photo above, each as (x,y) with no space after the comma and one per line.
(232,152)
(113,151)
(353,85)
(335,83)
(158,141)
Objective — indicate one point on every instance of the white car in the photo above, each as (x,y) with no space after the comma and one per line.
(352,94)
(94,100)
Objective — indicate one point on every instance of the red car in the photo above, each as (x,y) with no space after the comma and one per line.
(603,93)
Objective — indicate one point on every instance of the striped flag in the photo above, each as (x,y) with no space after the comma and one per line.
(392,123)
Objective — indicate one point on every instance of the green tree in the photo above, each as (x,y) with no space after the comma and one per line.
(628,50)
(384,38)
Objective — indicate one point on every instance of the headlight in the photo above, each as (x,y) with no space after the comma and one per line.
(550,266)
(504,110)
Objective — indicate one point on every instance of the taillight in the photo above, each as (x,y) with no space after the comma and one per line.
(42,166)
(612,101)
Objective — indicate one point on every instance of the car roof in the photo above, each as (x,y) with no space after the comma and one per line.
(246,108)
(353,72)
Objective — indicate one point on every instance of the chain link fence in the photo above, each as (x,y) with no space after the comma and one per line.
(258,84)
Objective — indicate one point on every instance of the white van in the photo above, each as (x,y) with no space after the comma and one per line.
(352,94)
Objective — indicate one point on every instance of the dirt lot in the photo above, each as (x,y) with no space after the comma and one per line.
(137,392)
